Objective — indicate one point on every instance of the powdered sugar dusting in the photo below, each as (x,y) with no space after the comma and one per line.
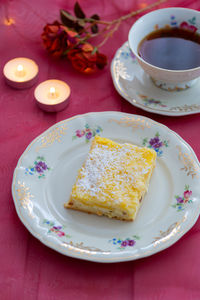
(112,169)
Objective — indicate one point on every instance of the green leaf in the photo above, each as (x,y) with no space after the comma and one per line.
(74,137)
(67,15)
(95,17)
(192,21)
(187,187)
(144,141)
(67,19)
(157,134)
(67,235)
(78,11)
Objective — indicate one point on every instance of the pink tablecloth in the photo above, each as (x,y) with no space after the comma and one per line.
(28,269)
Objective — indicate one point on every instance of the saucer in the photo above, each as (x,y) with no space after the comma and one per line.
(134,85)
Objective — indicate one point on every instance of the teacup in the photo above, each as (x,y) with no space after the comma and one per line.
(171,80)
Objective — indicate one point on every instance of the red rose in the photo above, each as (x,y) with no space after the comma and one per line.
(71,53)
(87,51)
(87,47)
(84,60)
(81,64)
(58,38)
(90,57)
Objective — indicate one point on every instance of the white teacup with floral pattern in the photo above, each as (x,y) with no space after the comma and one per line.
(171,80)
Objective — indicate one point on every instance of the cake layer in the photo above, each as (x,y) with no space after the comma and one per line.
(113,179)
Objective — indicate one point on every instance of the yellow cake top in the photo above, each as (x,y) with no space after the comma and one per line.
(114,175)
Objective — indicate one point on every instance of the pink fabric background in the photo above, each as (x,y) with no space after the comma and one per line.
(28,269)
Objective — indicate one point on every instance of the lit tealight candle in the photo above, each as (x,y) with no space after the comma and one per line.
(52,95)
(21,72)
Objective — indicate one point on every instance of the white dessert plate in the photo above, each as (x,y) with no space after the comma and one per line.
(46,171)
(134,85)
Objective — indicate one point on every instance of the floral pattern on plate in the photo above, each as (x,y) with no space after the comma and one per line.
(151,101)
(128,54)
(156,143)
(182,200)
(124,243)
(39,167)
(87,132)
(58,230)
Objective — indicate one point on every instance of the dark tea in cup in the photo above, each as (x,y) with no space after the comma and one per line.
(171,48)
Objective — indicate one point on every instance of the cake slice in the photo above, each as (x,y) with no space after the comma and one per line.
(113,179)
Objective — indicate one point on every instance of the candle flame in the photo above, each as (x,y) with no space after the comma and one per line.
(20,72)
(53,94)
(20,68)
(52,91)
